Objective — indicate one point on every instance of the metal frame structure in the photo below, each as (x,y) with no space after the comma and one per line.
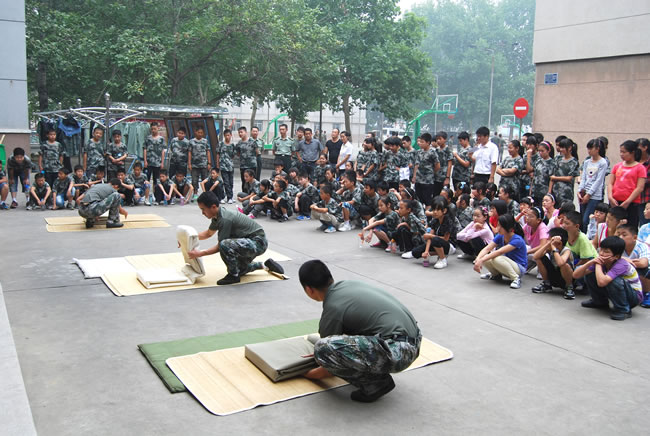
(448,108)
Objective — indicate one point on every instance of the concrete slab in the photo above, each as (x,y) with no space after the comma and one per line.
(523,362)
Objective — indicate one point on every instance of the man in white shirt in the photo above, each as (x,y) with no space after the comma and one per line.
(485,157)
(345,154)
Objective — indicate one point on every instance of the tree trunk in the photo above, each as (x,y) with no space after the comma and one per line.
(293,124)
(254,112)
(346,112)
(41,85)
(320,121)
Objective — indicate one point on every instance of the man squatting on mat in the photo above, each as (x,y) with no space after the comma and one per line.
(100,198)
(240,240)
(365,332)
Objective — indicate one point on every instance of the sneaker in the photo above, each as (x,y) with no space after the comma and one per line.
(516,283)
(223,201)
(569,294)
(90,222)
(4,206)
(452,249)
(330,229)
(155,203)
(487,276)
(283,218)
(69,205)
(195,197)
(114,224)
(542,288)
(14,204)
(387,250)
(268,213)
(465,256)
(230,201)
(620,316)
(646,301)
(251,216)
(380,244)
(301,217)
(323,227)
(591,304)
(147,202)
(228,280)
(407,255)
(539,276)
(172,202)
(273,266)
(240,209)
(346,227)
(28,207)
(442,263)
(363,397)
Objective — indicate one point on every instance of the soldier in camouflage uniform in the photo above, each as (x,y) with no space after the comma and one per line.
(154,153)
(116,153)
(225,155)
(246,149)
(94,153)
(50,157)
(392,161)
(241,240)
(356,344)
(178,149)
(100,198)
(462,161)
(446,159)
(511,169)
(426,166)
(563,190)
(544,167)
(198,158)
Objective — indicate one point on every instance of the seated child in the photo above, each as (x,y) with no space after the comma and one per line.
(448,195)
(637,253)
(439,236)
(644,231)
(257,204)
(80,181)
(280,202)
(291,189)
(555,263)
(383,225)
(4,189)
(62,190)
(367,200)
(307,196)
(40,194)
(609,277)
(327,211)
(164,190)
(319,170)
(126,190)
(349,192)
(478,195)
(249,189)
(497,209)
(524,206)
(506,193)
(566,207)
(476,235)
(388,194)
(140,184)
(98,177)
(465,213)
(535,233)
(506,255)
(582,249)
(409,230)
(616,216)
(598,217)
(278,164)
(330,178)
(212,183)
(183,188)
(293,176)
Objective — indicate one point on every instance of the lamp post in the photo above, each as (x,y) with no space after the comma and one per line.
(435,114)
(491,88)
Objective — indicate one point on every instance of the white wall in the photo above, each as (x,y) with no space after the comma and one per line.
(588,29)
(13,69)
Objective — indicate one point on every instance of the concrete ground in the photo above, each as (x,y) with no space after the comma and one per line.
(524,363)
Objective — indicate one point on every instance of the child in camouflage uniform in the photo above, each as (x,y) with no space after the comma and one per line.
(40,194)
(246,149)
(544,167)
(50,157)
(366,201)
(446,159)
(116,153)
(307,196)
(140,184)
(249,189)
(511,168)
(257,204)
(182,188)
(409,230)
(94,154)
(198,158)
(383,225)
(225,155)
(80,182)
(327,211)
(214,183)
(319,171)
(62,190)
(567,168)
(350,192)
(462,161)
(392,161)
(370,161)
(154,153)
(426,166)
(280,202)
(178,149)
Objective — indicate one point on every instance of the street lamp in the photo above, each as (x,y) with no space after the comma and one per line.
(435,114)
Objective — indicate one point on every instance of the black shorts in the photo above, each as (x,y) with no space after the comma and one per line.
(554,274)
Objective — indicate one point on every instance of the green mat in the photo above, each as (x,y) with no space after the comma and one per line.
(158,352)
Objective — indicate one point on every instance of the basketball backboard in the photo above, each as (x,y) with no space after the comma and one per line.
(446,104)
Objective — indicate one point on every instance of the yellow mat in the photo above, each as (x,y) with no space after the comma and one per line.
(123,283)
(67,220)
(102,226)
(225,382)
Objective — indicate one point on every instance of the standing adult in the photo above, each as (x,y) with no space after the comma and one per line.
(366,333)
(240,240)
(485,157)
(345,154)
(246,149)
(255,132)
(333,147)
(282,147)
(308,151)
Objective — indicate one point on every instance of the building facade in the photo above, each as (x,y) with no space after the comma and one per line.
(593,71)
(13,77)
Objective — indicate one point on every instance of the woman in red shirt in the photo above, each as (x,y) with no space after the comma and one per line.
(627,182)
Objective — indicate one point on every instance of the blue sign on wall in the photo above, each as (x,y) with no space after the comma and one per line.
(550,79)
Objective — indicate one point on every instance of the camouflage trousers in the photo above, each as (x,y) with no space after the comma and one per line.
(238,254)
(95,209)
(365,361)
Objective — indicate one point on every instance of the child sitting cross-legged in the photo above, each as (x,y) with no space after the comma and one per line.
(476,235)
(328,211)
(280,202)
(555,263)
(438,236)
(505,255)
(383,225)
(610,278)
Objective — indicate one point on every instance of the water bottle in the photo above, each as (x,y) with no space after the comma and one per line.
(182,201)
(165,202)
(361,240)
(393,246)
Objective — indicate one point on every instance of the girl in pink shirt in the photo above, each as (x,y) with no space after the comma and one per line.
(473,238)
(535,233)
(627,182)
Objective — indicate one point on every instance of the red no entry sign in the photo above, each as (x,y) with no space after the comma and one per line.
(520,109)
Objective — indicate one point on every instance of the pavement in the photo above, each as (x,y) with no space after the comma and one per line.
(523,362)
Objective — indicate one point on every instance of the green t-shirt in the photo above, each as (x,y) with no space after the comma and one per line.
(230,225)
(583,248)
(356,308)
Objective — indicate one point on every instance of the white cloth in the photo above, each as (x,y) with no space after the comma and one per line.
(485,156)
